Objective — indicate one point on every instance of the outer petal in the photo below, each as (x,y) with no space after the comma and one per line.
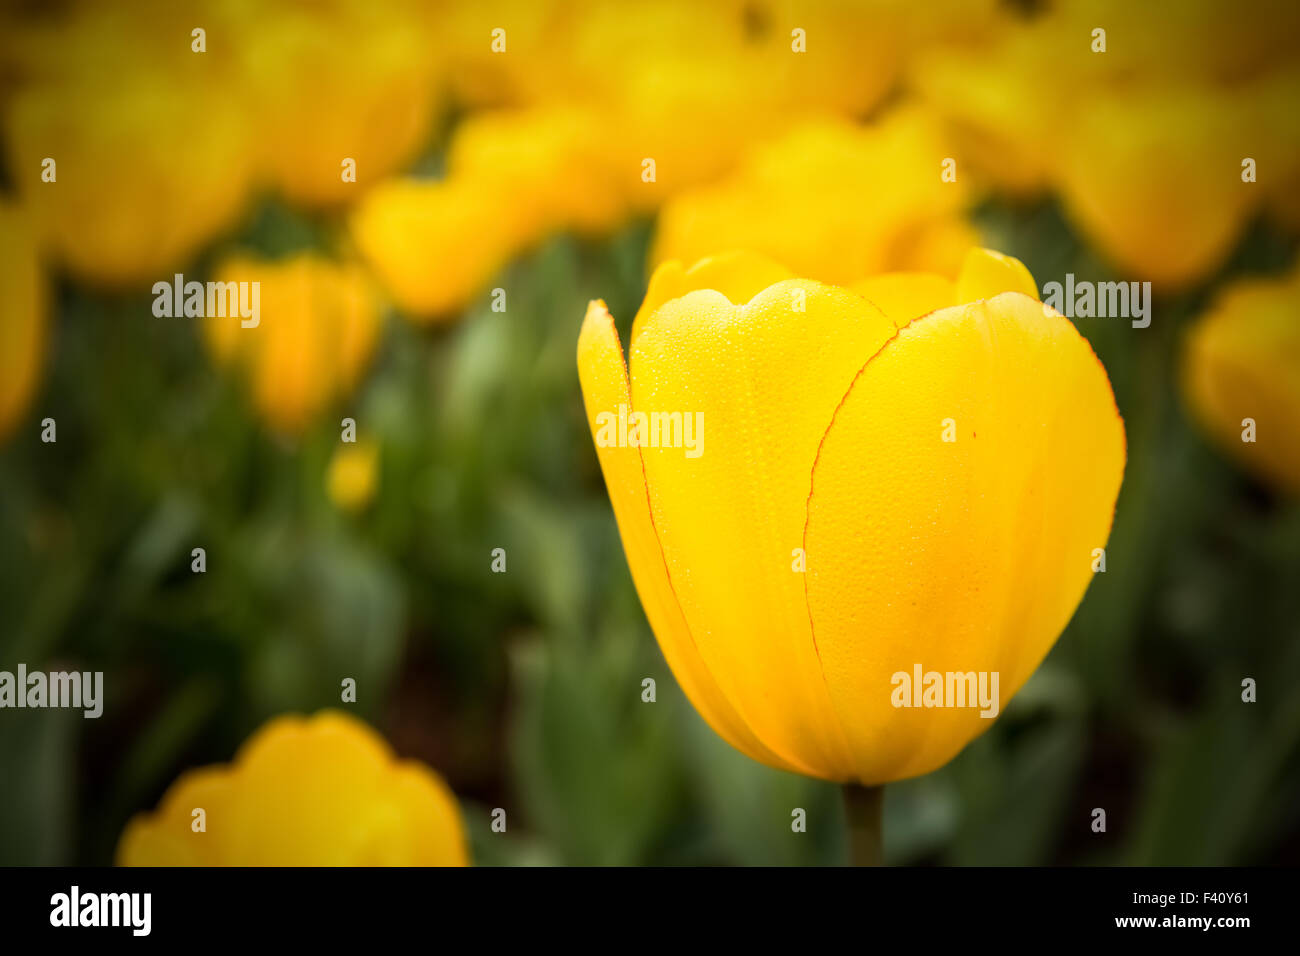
(603,374)
(766,378)
(969,555)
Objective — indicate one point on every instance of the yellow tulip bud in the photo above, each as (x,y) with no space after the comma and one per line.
(319,791)
(1241,376)
(353,475)
(435,244)
(824,505)
(318,325)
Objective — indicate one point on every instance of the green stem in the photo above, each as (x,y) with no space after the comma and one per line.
(863,807)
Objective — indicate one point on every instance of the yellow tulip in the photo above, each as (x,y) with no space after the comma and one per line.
(435,244)
(334,80)
(22,315)
(552,163)
(1162,144)
(318,326)
(353,475)
(318,791)
(996,101)
(816,200)
(129,149)
(146,171)
(866,494)
(1153,177)
(1241,376)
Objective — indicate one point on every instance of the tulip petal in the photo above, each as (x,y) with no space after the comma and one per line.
(985,273)
(982,546)
(765,377)
(903,296)
(168,838)
(738,275)
(603,375)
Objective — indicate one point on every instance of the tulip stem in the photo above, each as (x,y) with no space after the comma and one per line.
(863,807)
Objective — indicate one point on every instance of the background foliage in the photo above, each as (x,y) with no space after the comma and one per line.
(523,688)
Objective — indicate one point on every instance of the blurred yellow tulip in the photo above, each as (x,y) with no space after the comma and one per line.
(353,475)
(22,315)
(318,791)
(318,326)
(867,495)
(1154,178)
(333,81)
(553,163)
(129,148)
(1164,126)
(1241,375)
(833,202)
(434,244)
(998,107)
(129,175)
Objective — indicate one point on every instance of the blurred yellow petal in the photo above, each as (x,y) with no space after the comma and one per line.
(22,315)
(1153,177)
(168,837)
(1241,376)
(996,101)
(553,163)
(319,791)
(815,201)
(130,170)
(962,555)
(436,244)
(348,80)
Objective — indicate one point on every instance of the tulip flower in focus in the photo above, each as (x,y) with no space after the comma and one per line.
(318,791)
(875,492)
(1241,376)
(318,326)
(22,315)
